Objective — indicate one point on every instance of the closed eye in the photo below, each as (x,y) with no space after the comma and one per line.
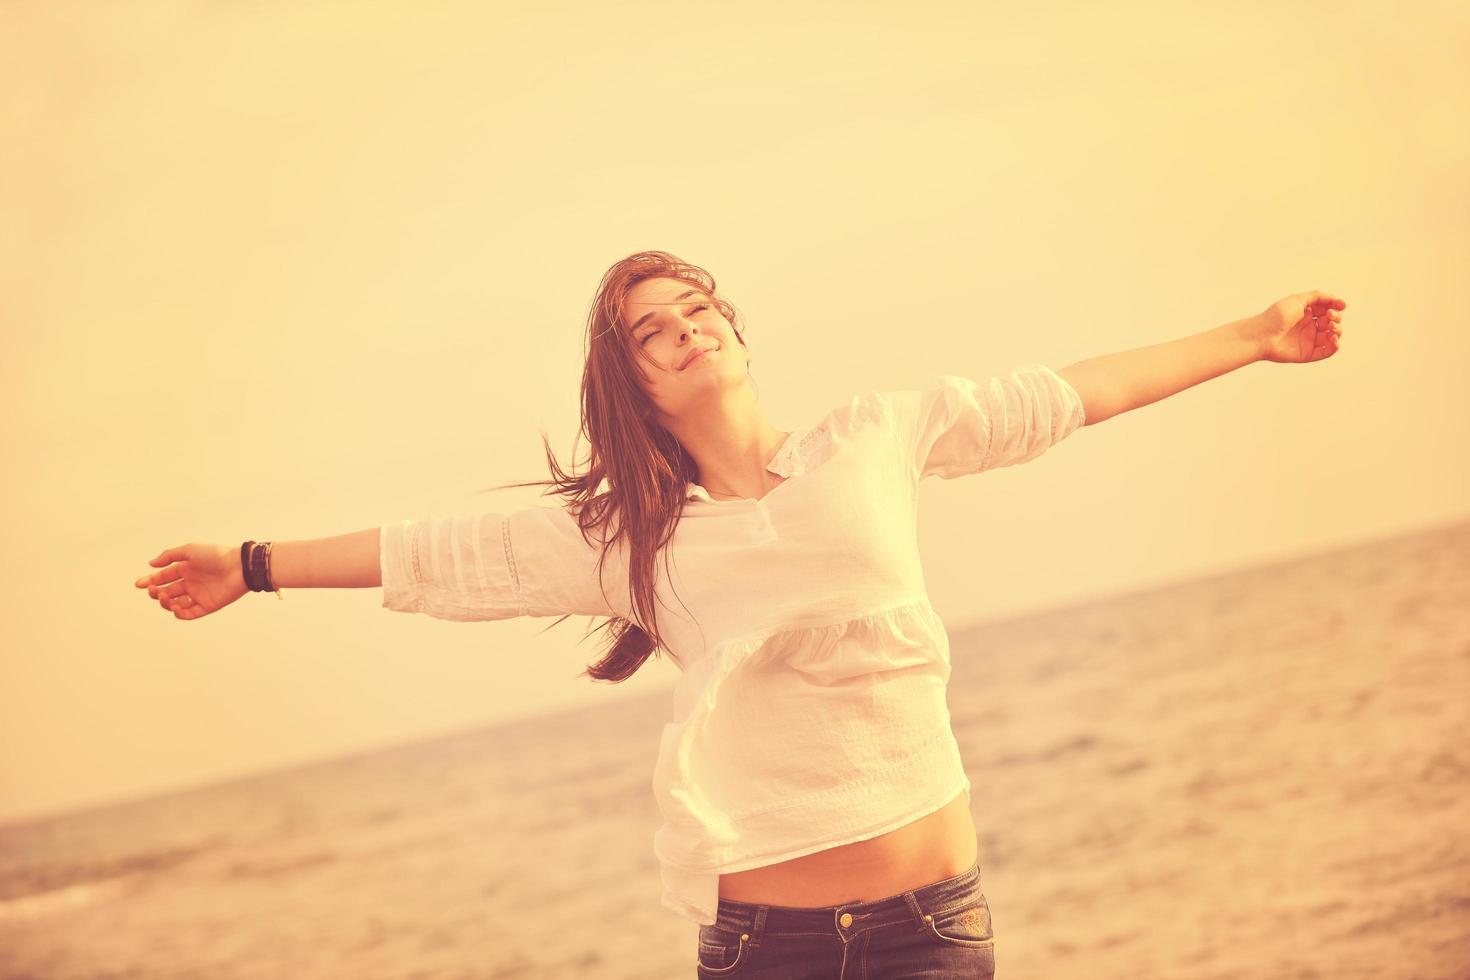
(702,306)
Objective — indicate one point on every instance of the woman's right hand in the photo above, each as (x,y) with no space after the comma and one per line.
(194,580)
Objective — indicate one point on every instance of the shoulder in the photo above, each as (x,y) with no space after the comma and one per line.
(864,408)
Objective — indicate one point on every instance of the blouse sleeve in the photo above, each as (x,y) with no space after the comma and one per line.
(496,565)
(954,426)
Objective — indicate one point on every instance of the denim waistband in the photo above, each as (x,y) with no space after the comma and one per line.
(910,906)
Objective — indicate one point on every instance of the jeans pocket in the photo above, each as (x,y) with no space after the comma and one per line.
(722,951)
(966,924)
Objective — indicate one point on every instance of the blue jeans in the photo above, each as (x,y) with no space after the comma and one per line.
(939,931)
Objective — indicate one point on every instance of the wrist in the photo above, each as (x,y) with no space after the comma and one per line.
(1252,332)
(236,572)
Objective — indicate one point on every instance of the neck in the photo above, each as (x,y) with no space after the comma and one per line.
(732,444)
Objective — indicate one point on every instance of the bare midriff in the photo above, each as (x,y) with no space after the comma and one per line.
(932,848)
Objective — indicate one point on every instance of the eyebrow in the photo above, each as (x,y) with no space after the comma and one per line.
(684,295)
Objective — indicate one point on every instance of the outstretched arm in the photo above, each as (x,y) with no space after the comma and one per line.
(533,561)
(347,561)
(1297,329)
(196,579)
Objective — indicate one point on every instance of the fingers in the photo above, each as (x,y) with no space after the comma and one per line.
(171,596)
(171,590)
(166,556)
(1325,320)
(167,586)
(175,600)
(157,579)
(180,604)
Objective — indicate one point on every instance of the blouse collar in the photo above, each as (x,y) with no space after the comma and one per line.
(787,462)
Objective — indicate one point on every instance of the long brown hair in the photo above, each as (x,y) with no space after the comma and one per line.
(645,467)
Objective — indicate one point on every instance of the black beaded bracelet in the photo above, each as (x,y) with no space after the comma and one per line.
(255,560)
(245,565)
(257,566)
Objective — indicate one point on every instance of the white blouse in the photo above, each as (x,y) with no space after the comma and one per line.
(810,711)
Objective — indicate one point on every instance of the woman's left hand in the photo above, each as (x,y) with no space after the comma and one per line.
(1302,327)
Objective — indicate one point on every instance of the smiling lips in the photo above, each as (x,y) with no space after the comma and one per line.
(695,353)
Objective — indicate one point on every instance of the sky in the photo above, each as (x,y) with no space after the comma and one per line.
(290,270)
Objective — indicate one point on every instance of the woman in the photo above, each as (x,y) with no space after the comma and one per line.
(816,813)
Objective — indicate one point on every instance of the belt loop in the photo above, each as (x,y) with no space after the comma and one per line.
(917,909)
(759,928)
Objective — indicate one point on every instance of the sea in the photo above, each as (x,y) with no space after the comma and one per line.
(1260,774)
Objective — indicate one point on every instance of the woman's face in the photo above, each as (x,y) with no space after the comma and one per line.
(671,319)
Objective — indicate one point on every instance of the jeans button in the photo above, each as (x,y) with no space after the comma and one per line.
(846,919)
